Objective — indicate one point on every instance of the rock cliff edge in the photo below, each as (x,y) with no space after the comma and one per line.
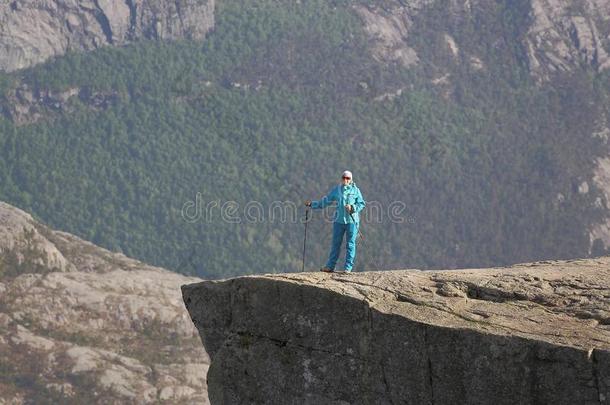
(530,333)
(32,31)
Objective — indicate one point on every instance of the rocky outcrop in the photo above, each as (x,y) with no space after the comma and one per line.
(80,324)
(565,35)
(558,36)
(21,241)
(32,31)
(389,31)
(531,333)
(24,105)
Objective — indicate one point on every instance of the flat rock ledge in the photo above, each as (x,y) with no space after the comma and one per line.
(532,333)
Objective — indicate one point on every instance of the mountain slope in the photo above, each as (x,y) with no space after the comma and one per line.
(32,32)
(474,156)
(80,324)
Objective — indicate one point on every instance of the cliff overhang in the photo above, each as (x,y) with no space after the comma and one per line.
(531,333)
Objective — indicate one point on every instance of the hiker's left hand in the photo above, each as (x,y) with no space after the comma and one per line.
(349,208)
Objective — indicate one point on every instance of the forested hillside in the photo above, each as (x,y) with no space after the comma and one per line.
(274,104)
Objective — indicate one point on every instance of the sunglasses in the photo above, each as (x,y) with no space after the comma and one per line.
(347,178)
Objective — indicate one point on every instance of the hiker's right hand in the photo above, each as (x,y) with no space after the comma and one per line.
(308,203)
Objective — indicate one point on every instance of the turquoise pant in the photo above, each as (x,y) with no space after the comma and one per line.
(350,245)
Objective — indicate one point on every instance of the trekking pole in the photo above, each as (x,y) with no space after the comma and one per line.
(305,239)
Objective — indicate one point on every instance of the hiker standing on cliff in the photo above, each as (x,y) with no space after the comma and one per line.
(346,220)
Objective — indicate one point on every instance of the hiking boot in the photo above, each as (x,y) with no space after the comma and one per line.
(326,270)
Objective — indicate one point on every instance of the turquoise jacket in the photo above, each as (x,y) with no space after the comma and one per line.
(343,195)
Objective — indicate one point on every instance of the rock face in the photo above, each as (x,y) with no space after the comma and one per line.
(560,35)
(531,333)
(24,105)
(31,31)
(79,324)
(389,31)
(565,35)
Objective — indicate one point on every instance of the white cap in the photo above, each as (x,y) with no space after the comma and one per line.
(347,173)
